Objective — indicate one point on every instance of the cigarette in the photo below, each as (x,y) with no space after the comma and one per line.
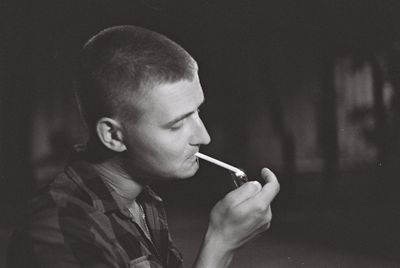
(237,171)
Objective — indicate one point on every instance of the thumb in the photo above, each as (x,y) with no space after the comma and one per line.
(268,176)
(271,187)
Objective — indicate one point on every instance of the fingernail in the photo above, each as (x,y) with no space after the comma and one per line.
(257,184)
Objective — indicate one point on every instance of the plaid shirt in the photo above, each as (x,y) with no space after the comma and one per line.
(79,221)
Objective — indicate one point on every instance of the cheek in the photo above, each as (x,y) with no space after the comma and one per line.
(160,147)
(170,147)
(162,153)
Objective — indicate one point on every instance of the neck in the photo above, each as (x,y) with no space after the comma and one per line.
(115,176)
(116,172)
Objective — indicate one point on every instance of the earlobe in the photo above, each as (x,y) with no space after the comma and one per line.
(110,134)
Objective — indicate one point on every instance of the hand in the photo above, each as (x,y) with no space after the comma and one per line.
(240,216)
(243,213)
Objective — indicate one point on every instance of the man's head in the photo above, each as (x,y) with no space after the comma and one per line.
(122,62)
(139,93)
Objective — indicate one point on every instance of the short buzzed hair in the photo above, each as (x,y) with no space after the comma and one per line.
(125,59)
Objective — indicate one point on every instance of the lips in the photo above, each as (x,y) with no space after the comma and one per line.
(193,154)
(193,158)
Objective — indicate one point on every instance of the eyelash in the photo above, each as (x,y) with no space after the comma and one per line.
(178,126)
(180,123)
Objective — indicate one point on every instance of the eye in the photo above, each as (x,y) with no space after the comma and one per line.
(178,125)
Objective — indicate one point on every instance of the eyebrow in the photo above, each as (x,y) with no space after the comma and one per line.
(179,118)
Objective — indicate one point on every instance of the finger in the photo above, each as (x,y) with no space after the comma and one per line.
(268,176)
(270,189)
(268,216)
(244,192)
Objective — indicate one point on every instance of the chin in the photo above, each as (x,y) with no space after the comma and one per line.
(186,174)
(179,172)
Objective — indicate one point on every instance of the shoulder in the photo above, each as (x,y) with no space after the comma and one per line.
(62,218)
(63,206)
(61,194)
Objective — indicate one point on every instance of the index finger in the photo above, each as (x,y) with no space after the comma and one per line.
(243,193)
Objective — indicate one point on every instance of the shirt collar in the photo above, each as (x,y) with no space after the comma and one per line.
(104,197)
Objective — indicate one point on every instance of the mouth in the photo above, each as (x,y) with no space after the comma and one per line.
(193,158)
(193,155)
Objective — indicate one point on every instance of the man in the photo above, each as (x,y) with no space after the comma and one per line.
(139,94)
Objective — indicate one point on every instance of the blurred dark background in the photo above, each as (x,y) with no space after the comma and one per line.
(310,89)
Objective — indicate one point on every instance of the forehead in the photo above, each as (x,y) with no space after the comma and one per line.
(167,101)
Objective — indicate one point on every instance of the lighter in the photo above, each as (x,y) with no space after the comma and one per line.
(238,176)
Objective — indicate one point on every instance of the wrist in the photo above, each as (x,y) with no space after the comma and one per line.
(214,252)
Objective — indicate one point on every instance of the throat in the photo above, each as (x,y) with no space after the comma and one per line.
(124,185)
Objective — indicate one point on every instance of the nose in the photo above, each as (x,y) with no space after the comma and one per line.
(200,134)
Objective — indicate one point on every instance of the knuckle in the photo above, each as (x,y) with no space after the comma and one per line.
(229,199)
(236,213)
(267,226)
(268,215)
(268,218)
(259,209)
(278,187)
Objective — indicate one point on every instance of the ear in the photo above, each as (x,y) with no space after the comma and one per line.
(109,132)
